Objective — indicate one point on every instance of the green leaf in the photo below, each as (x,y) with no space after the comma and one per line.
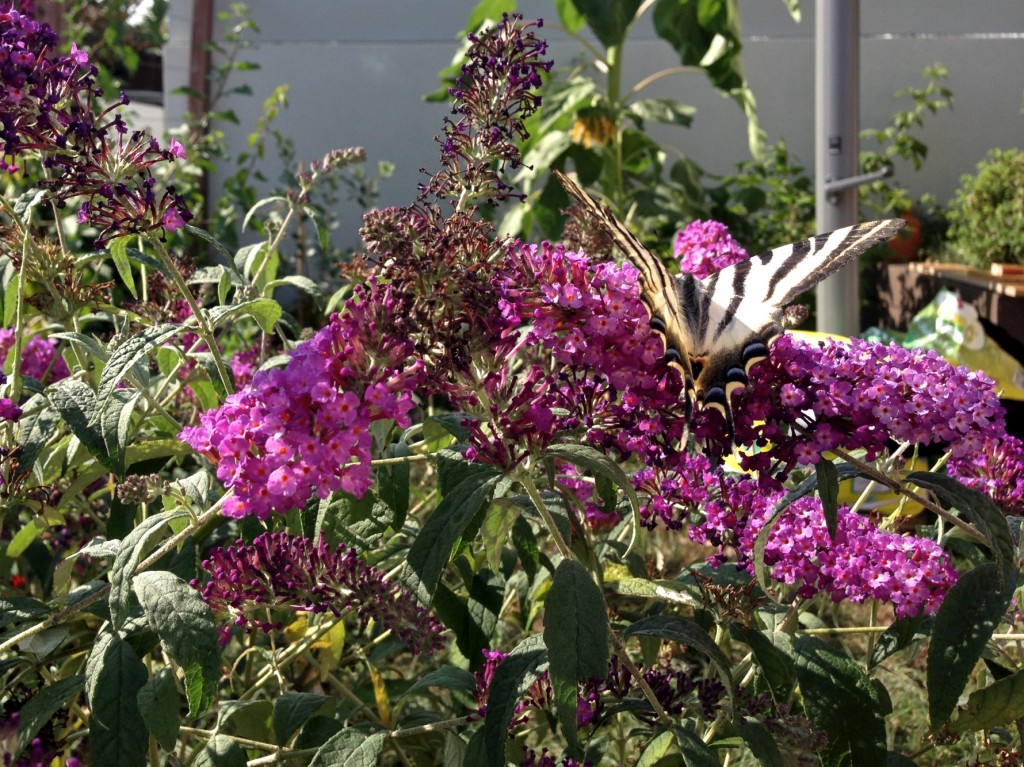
(160,708)
(663,110)
(115,422)
(298,281)
(576,635)
(36,427)
(127,559)
(18,609)
(393,483)
(266,312)
(125,356)
(41,707)
(446,677)
(75,401)
(511,681)
(828,491)
(840,699)
(220,751)
(292,710)
(1000,703)
(609,19)
(695,751)
(899,635)
(471,621)
(661,746)
(676,628)
(186,628)
(350,748)
(114,675)
(964,623)
(978,509)
(760,741)
(119,253)
(433,546)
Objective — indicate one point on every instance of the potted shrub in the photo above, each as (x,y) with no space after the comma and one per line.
(987,215)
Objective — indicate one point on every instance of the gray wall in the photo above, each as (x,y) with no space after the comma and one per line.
(358,72)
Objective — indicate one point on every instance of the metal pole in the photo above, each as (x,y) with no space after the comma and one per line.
(836,126)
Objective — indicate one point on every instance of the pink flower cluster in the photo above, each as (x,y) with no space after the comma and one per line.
(706,247)
(305,428)
(861,562)
(39,358)
(997,470)
(807,399)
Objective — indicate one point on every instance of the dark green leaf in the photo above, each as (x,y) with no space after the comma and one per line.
(41,707)
(114,675)
(609,19)
(35,429)
(292,710)
(447,677)
(660,747)
(964,623)
(512,679)
(125,356)
(760,742)
(978,509)
(470,621)
(676,628)
(393,483)
(696,752)
(266,312)
(451,423)
(599,463)
(1000,703)
(460,506)
(828,491)
(576,635)
(116,418)
(899,635)
(220,751)
(160,707)
(75,401)
(662,110)
(18,609)
(350,748)
(132,548)
(840,699)
(186,628)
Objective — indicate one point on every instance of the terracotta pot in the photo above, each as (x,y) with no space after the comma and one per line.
(904,244)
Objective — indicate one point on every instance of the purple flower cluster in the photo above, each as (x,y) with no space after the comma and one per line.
(861,562)
(706,247)
(39,358)
(49,111)
(284,570)
(305,428)
(494,94)
(808,399)
(997,470)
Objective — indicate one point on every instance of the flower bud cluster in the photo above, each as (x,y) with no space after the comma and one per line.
(290,571)
(706,247)
(997,470)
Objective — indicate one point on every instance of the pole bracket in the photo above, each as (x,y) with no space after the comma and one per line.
(834,187)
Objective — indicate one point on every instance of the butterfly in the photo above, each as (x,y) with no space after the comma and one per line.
(717,328)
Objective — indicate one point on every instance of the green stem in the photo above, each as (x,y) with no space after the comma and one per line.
(528,484)
(202,324)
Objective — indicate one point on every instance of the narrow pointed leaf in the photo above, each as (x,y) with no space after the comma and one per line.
(186,628)
(576,635)
(350,748)
(828,492)
(114,675)
(160,706)
(963,625)
(1001,703)
(839,699)
(119,255)
(292,710)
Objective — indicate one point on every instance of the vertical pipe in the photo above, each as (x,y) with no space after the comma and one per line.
(836,126)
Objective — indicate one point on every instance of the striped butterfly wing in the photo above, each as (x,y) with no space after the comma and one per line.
(717,328)
(658,287)
(736,312)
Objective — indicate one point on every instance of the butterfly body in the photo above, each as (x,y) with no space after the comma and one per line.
(717,328)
